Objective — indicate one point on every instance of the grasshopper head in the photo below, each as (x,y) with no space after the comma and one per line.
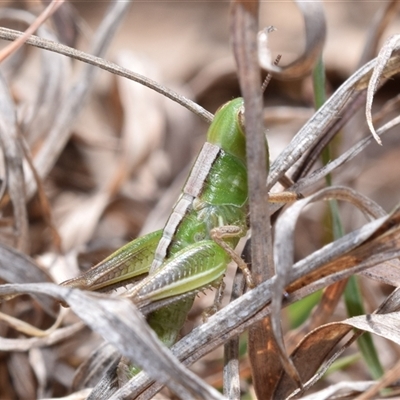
(227,129)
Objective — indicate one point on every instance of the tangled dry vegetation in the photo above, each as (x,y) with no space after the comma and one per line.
(91,159)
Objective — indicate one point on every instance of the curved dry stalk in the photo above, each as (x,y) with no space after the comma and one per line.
(315,27)
(9,34)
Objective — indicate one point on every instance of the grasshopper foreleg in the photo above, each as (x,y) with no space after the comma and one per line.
(219,235)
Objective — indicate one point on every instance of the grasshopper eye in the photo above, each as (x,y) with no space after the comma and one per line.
(240,118)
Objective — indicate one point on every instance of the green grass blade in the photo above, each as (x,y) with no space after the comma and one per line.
(354,306)
(352,294)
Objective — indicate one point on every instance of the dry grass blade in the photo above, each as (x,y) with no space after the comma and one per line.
(29,329)
(320,315)
(386,325)
(315,27)
(288,220)
(370,244)
(19,268)
(310,354)
(13,158)
(382,61)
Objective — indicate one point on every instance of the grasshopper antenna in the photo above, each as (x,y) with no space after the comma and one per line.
(268,78)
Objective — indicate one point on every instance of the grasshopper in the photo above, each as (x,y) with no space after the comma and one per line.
(198,241)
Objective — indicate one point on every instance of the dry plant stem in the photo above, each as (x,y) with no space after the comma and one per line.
(244,28)
(231,350)
(47,12)
(14,171)
(9,34)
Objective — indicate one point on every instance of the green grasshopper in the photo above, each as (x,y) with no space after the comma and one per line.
(198,241)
